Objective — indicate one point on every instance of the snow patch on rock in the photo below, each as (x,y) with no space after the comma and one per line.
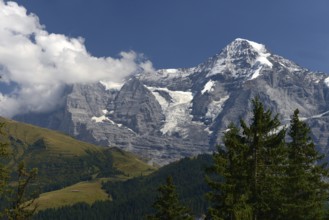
(326,81)
(256,73)
(208,87)
(215,107)
(177,111)
(171,70)
(207,129)
(219,67)
(103,118)
(109,85)
(320,115)
(100,119)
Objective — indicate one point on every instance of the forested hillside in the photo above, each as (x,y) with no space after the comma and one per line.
(133,199)
(62,161)
(263,171)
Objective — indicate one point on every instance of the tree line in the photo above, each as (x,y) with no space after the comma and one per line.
(258,175)
(262,171)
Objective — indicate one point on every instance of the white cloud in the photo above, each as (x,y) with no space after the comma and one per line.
(42,63)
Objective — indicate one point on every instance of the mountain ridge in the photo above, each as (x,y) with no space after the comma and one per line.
(172,113)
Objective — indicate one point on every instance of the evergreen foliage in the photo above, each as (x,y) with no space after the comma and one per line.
(257,175)
(305,188)
(265,159)
(133,199)
(167,204)
(60,159)
(56,169)
(230,190)
(250,169)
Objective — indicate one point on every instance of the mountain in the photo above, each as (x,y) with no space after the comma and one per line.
(172,113)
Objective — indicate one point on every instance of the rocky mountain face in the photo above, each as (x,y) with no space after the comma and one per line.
(174,113)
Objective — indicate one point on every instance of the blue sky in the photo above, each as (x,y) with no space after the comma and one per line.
(183,33)
(46,45)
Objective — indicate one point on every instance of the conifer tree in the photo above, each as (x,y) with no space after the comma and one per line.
(266,160)
(306,187)
(230,189)
(250,170)
(167,204)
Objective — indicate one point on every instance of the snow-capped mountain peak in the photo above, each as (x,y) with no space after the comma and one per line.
(240,59)
(173,113)
(253,49)
(242,44)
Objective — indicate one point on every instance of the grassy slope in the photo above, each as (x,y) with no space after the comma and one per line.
(133,199)
(56,141)
(66,160)
(91,191)
(129,164)
(63,145)
(88,192)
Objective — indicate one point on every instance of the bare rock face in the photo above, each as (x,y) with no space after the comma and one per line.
(175,113)
(137,108)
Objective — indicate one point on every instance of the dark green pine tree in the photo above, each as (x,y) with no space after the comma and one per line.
(266,162)
(167,204)
(306,188)
(248,174)
(228,179)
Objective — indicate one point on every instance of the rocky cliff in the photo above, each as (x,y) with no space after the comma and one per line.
(174,113)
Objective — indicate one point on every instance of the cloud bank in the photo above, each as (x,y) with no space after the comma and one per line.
(38,64)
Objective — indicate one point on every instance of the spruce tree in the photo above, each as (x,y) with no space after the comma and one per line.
(306,187)
(167,204)
(250,170)
(230,190)
(266,161)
